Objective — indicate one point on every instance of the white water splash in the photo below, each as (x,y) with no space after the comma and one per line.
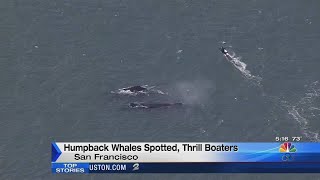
(304,111)
(127,92)
(313,136)
(241,66)
(194,92)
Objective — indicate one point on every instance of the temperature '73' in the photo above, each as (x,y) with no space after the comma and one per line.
(296,138)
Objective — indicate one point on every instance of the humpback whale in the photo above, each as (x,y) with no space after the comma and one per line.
(152,105)
(135,90)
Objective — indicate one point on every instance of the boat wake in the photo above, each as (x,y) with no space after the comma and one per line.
(242,67)
(304,112)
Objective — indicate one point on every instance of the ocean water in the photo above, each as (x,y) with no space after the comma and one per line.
(60,60)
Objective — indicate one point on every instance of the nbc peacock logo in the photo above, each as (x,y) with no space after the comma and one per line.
(287,147)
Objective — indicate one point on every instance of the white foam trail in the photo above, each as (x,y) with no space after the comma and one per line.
(313,136)
(314,108)
(241,66)
(303,111)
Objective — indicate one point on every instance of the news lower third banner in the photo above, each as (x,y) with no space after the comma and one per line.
(70,157)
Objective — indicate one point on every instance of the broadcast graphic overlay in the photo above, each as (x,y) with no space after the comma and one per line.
(225,157)
(287,149)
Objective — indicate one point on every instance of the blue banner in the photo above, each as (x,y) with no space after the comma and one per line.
(285,167)
(249,158)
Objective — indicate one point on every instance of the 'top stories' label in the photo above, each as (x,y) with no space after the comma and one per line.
(70,168)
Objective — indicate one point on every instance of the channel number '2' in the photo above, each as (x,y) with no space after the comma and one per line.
(135,167)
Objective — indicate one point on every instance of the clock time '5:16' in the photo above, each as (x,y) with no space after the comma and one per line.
(281,138)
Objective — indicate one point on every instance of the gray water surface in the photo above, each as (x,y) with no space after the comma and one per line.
(60,59)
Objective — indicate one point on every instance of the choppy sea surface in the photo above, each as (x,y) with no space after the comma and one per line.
(59,61)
